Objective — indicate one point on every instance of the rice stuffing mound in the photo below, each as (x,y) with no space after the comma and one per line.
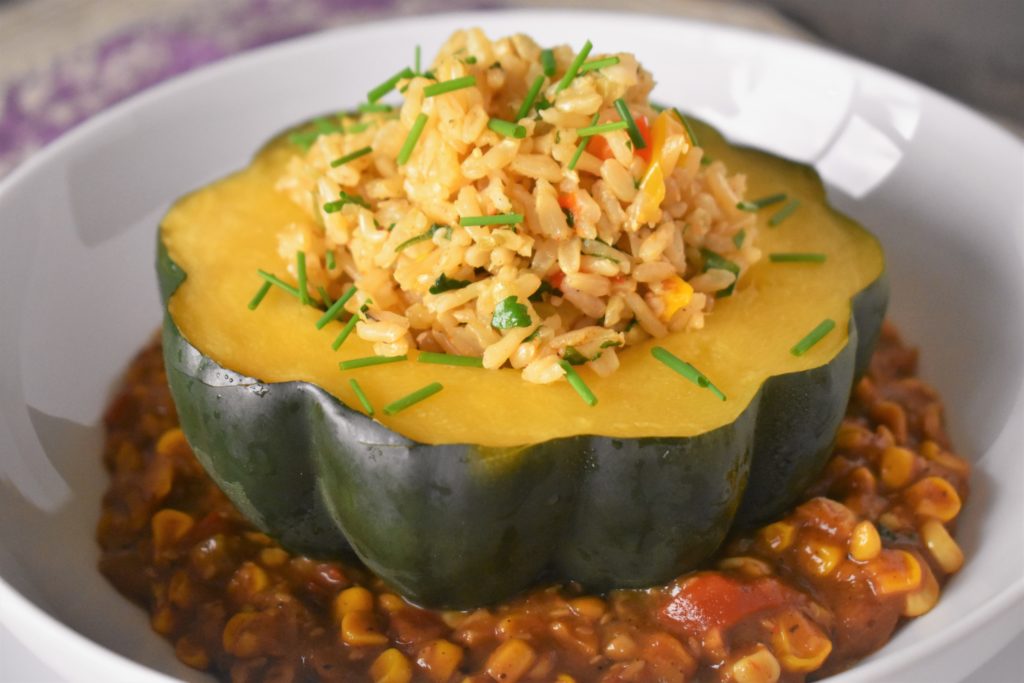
(523,206)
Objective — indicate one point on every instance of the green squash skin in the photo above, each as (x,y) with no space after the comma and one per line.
(457,526)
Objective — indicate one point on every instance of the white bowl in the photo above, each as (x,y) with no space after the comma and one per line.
(937,182)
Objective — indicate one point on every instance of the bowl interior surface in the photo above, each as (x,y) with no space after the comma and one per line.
(937,183)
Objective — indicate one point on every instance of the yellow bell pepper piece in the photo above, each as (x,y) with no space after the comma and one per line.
(677,294)
(652,185)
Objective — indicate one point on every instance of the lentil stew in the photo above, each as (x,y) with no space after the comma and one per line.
(798,599)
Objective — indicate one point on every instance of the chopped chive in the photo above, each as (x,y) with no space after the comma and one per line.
(412,138)
(582,145)
(352,156)
(574,68)
(388,85)
(531,97)
(300,267)
(345,198)
(416,59)
(714,260)
(769,200)
(345,332)
(325,126)
(330,260)
(577,383)
(374,107)
(449,86)
(784,213)
(359,392)
(325,298)
(591,131)
(797,257)
(335,308)
(598,64)
(499,219)
(747,206)
(691,373)
(303,139)
(507,128)
(423,237)
(627,117)
(813,337)
(278,282)
(470,60)
(413,398)
(547,62)
(694,142)
(738,238)
(358,127)
(367,361)
(450,359)
(261,293)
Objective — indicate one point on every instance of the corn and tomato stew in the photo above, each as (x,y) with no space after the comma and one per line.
(803,597)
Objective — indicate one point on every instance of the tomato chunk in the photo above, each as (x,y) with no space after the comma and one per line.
(713,600)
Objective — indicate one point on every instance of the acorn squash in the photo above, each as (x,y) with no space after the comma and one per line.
(496,483)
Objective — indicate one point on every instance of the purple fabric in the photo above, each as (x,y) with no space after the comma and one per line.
(39,107)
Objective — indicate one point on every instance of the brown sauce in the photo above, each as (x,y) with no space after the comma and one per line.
(800,598)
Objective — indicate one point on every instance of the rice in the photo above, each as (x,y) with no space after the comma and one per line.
(605,255)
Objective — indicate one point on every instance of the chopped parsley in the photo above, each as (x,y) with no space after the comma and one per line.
(509,313)
(443,283)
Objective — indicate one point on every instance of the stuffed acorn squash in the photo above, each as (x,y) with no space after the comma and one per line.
(496,482)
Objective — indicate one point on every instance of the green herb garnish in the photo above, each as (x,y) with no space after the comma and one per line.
(533,335)
(531,97)
(570,217)
(574,67)
(345,198)
(738,238)
(416,59)
(388,85)
(345,332)
(450,359)
(769,200)
(469,60)
(784,213)
(631,128)
(813,337)
(507,128)
(325,298)
(591,131)
(443,87)
(797,257)
(582,144)
(573,357)
(361,396)
(497,219)
(261,293)
(413,398)
(577,383)
(545,288)
(694,142)
(423,237)
(329,259)
(443,283)
(610,343)
(367,361)
(716,261)
(278,282)
(412,139)
(374,107)
(351,156)
(510,313)
(547,62)
(335,308)
(686,370)
(598,64)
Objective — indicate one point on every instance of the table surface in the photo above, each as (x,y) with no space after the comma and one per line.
(56,50)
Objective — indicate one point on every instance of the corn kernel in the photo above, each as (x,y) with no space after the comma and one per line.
(941,546)
(895,571)
(761,666)
(934,497)
(247,634)
(354,599)
(169,526)
(360,629)
(799,645)
(588,607)
(924,598)
(439,659)
(510,661)
(191,653)
(865,543)
(777,536)
(391,666)
(390,602)
(822,559)
(172,442)
(897,467)
(852,437)
(273,557)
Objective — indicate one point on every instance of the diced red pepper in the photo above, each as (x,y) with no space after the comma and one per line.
(556,279)
(712,600)
(600,148)
(644,127)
